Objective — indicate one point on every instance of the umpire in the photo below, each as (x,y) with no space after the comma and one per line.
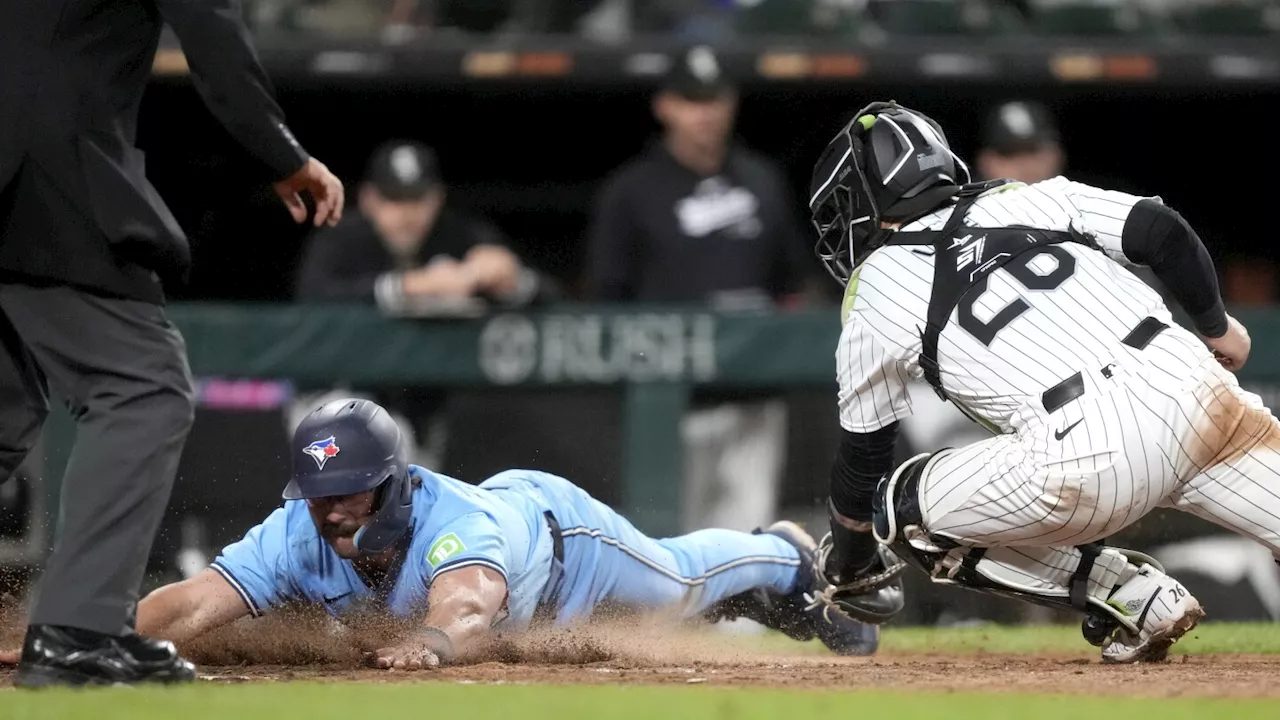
(86,249)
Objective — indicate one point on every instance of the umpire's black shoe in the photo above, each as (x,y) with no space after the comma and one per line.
(796,614)
(53,655)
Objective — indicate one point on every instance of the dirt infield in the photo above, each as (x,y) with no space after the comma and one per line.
(1219,676)
(307,647)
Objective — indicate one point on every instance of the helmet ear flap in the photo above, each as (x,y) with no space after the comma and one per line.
(393,509)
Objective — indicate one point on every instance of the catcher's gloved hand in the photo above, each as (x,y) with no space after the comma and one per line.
(875,596)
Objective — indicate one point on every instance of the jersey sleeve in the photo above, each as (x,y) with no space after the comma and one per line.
(873,382)
(472,539)
(257,565)
(1101,215)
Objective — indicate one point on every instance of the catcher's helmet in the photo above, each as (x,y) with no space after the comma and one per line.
(889,164)
(347,447)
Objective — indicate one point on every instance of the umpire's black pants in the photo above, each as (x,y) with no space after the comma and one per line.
(122,370)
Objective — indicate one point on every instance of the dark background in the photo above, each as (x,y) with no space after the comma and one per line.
(531,156)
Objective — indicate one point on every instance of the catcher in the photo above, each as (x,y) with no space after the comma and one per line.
(363,528)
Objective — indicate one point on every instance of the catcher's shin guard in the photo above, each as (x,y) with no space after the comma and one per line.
(1081,578)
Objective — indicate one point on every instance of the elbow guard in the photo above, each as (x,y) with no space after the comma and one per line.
(1151,230)
(1158,237)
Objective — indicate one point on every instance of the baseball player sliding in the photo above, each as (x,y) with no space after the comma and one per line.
(361,527)
(1012,302)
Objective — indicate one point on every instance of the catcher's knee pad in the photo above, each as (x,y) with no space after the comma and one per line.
(896,504)
(896,515)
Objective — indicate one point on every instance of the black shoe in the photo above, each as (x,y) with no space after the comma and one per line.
(798,615)
(55,655)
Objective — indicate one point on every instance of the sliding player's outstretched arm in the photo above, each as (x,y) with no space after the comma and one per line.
(181,611)
(188,609)
(464,605)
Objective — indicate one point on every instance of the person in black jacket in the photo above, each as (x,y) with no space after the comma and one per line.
(408,252)
(406,246)
(87,247)
(701,219)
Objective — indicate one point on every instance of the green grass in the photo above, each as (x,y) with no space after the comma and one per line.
(465,702)
(1208,639)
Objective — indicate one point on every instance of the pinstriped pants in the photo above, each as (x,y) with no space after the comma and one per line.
(1169,428)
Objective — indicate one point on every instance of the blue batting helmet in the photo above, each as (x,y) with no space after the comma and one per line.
(352,446)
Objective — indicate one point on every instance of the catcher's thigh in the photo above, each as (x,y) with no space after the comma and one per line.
(1071,477)
(1235,458)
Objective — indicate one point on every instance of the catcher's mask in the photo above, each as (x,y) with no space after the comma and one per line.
(346,447)
(889,164)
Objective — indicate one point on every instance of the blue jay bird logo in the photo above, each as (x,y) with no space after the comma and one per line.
(322,450)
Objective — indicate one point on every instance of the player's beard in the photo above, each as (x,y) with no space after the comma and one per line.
(343,529)
(341,539)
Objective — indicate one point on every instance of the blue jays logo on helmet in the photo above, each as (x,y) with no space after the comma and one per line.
(322,450)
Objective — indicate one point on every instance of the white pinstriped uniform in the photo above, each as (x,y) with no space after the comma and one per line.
(1169,427)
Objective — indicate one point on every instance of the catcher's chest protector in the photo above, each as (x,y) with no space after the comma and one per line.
(963,259)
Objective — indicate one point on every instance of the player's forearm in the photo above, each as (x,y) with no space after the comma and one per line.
(863,459)
(1158,237)
(169,613)
(463,606)
(465,622)
(188,609)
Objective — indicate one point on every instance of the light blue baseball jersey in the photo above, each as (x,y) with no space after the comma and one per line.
(500,524)
(454,525)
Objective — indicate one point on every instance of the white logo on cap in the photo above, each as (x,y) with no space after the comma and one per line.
(702,63)
(1018,119)
(405,165)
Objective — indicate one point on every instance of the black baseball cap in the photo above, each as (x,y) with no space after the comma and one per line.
(696,74)
(403,170)
(1019,126)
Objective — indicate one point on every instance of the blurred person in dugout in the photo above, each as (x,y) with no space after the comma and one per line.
(409,252)
(700,219)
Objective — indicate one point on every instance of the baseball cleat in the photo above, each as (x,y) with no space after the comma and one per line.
(1159,607)
(801,614)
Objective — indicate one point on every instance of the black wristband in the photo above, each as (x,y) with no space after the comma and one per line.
(852,551)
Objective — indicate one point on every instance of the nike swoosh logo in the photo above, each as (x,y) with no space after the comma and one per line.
(336,599)
(1059,434)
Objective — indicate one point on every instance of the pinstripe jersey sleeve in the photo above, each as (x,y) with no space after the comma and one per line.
(872,380)
(1099,213)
